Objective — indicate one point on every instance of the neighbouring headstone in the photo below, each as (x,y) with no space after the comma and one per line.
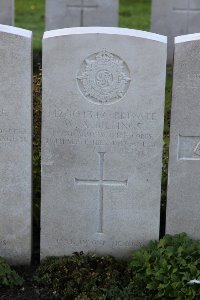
(183,205)
(7,12)
(174,18)
(103,102)
(79,13)
(15,144)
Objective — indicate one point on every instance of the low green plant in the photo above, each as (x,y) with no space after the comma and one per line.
(86,277)
(161,270)
(8,277)
(164,268)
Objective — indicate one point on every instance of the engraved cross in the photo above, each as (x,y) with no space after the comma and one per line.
(82,7)
(100,184)
(188,10)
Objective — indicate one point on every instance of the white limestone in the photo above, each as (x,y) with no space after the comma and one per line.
(174,18)
(7,12)
(183,205)
(103,103)
(15,144)
(78,13)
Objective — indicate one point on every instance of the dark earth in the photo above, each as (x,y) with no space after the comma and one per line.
(29,290)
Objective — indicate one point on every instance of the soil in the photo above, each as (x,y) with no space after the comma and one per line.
(29,290)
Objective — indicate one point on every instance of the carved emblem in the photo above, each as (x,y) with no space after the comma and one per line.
(104,78)
(197,149)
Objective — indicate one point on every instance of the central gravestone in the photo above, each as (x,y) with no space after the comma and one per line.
(174,18)
(7,12)
(79,13)
(101,140)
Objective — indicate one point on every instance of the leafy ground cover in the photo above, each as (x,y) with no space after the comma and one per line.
(8,277)
(163,270)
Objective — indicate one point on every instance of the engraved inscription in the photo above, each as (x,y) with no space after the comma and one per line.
(3,113)
(188,147)
(101,183)
(104,78)
(125,131)
(192,81)
(99,243)
(13,135)
(3,243)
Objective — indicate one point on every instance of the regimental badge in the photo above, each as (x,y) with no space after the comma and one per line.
(104,78)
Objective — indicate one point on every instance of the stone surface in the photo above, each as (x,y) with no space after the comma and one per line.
(102,139)
(7,12)
(174,18)
(15,144)
(183,206)
(78,13)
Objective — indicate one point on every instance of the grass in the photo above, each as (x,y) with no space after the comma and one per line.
(30,14)
(135,14)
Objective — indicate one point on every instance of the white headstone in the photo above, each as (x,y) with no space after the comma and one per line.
(183,205)
(15,144)
(78,13)
(174,18)
(7,12)
(102,139)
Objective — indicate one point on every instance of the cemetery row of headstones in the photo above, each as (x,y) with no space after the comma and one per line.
(174,18)
(70,13)
(102,132)
(7,12)
(169,17)
(79,13)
